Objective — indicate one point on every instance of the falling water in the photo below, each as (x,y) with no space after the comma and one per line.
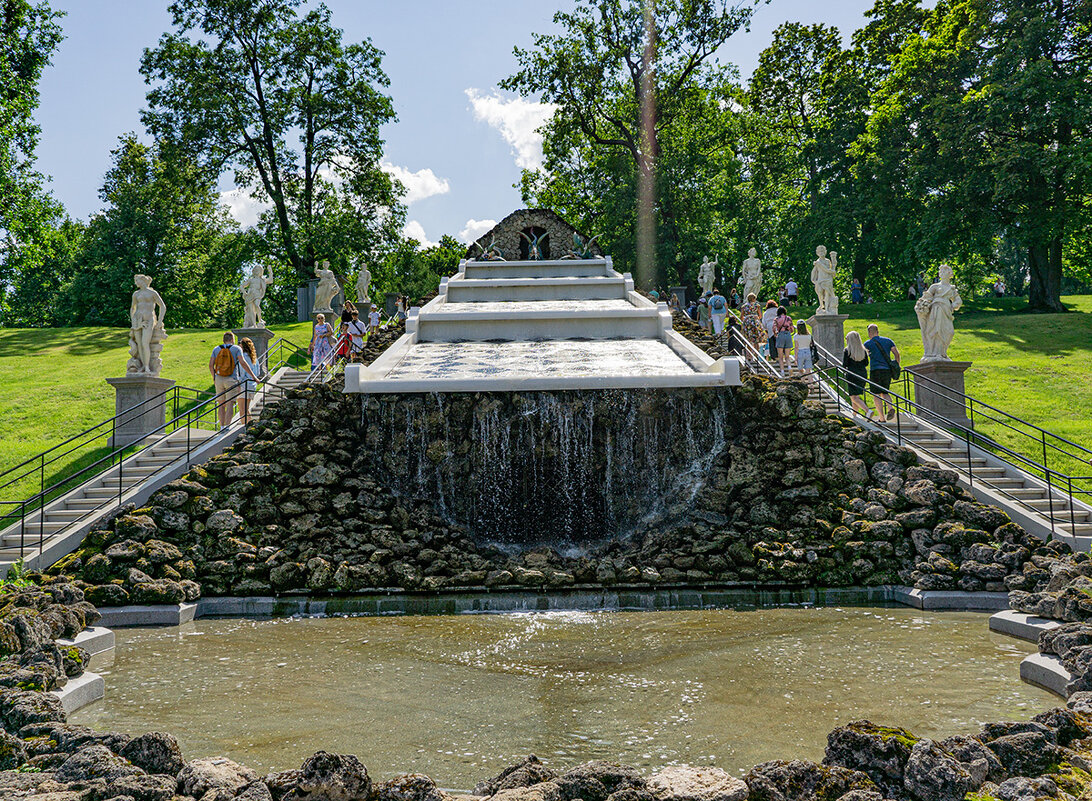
(549,467)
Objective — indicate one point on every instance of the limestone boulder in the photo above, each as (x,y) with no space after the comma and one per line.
(684,783)
(933,774)
(333,777)
(879,752)
(199,776)
(154,752)
(96,762)
(803,780)
(409,787)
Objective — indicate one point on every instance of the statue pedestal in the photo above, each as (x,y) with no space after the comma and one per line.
(138,391)
(828,330)
(260,337)
(939,388)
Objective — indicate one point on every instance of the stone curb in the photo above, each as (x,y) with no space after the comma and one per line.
(158,615)
(1020,625)
(95,639)
(952,600)
(81,691)
(1046,672)
(383,602)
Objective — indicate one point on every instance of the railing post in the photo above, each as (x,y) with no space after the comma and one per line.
(1072,511)
(22,529)
(1050,499)
(970,464)
(121,469)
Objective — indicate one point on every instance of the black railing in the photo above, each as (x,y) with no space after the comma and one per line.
(1064,489)
(96,451)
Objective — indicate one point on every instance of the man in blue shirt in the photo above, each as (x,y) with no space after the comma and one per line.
(227,366)
(882,353)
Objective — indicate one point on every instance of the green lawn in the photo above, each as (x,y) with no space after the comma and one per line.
(54,388)
(1034,366)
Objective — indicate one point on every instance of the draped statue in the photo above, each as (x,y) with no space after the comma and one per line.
(936,310)
(146,332)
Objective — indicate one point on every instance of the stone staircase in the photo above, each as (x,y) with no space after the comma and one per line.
(1042,510)
(44,537)
(539,325)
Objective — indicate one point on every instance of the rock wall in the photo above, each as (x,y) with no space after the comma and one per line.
(507,235)
(312,498)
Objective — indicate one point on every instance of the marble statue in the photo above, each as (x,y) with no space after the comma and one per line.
(707,275)
(752,274)
(253,289)
(581,249)
(490,253)
(534,249)
(327,288)
(363,282)
(822,276)
(147,331)
(936,310)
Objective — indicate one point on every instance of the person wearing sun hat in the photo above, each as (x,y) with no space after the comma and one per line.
(373,319)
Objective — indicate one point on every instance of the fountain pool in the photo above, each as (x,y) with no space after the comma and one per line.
(460,697)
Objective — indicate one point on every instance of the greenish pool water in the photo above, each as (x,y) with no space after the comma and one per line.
(460,697)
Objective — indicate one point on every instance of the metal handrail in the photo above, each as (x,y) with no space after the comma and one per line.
(972,402)
(39,459)
(1055,480)
(189,419)
(116,455)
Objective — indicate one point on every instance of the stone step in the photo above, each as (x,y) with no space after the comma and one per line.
(632,322)
(472,290)
(535,269)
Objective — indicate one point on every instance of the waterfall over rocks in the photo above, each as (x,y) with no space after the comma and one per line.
(556,468)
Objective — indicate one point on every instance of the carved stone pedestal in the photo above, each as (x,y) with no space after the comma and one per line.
(140,410)
(828,330)
(260,337)
(939,388)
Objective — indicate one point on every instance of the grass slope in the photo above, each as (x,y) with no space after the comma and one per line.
(1034,366)
(53,386)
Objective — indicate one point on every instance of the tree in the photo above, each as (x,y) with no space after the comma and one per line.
(416,272)
(988,115)
(163,218)
(295,112)
(29,34)
(623,75)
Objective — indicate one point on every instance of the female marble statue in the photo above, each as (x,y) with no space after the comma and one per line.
(752,274)
(363,282)
(707,275)
(146,328)
(253,288)
(936,310)
(823,271)
(327,288)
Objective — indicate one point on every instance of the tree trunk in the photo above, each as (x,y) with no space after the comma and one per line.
(1045,271)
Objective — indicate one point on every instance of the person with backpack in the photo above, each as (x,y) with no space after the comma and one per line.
(718,310)
(782,329)
(228,368)
(883,358)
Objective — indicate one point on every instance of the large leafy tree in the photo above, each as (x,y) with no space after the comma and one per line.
(987,119)
(29,33)
(254,87)
(629,78)
(162,217)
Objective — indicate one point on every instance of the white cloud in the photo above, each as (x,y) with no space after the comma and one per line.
(414,230)
(243,207)
(474,229)
(516,120)
(419,185)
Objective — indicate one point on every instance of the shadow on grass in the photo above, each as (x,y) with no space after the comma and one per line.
(77,341)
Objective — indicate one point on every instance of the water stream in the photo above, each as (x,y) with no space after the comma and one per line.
(553,468)
(460,697)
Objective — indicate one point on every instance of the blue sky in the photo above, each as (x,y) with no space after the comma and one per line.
(458,144)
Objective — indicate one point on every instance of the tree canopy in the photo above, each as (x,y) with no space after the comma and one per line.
(278,98)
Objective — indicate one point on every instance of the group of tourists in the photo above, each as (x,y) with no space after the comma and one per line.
(348,341)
